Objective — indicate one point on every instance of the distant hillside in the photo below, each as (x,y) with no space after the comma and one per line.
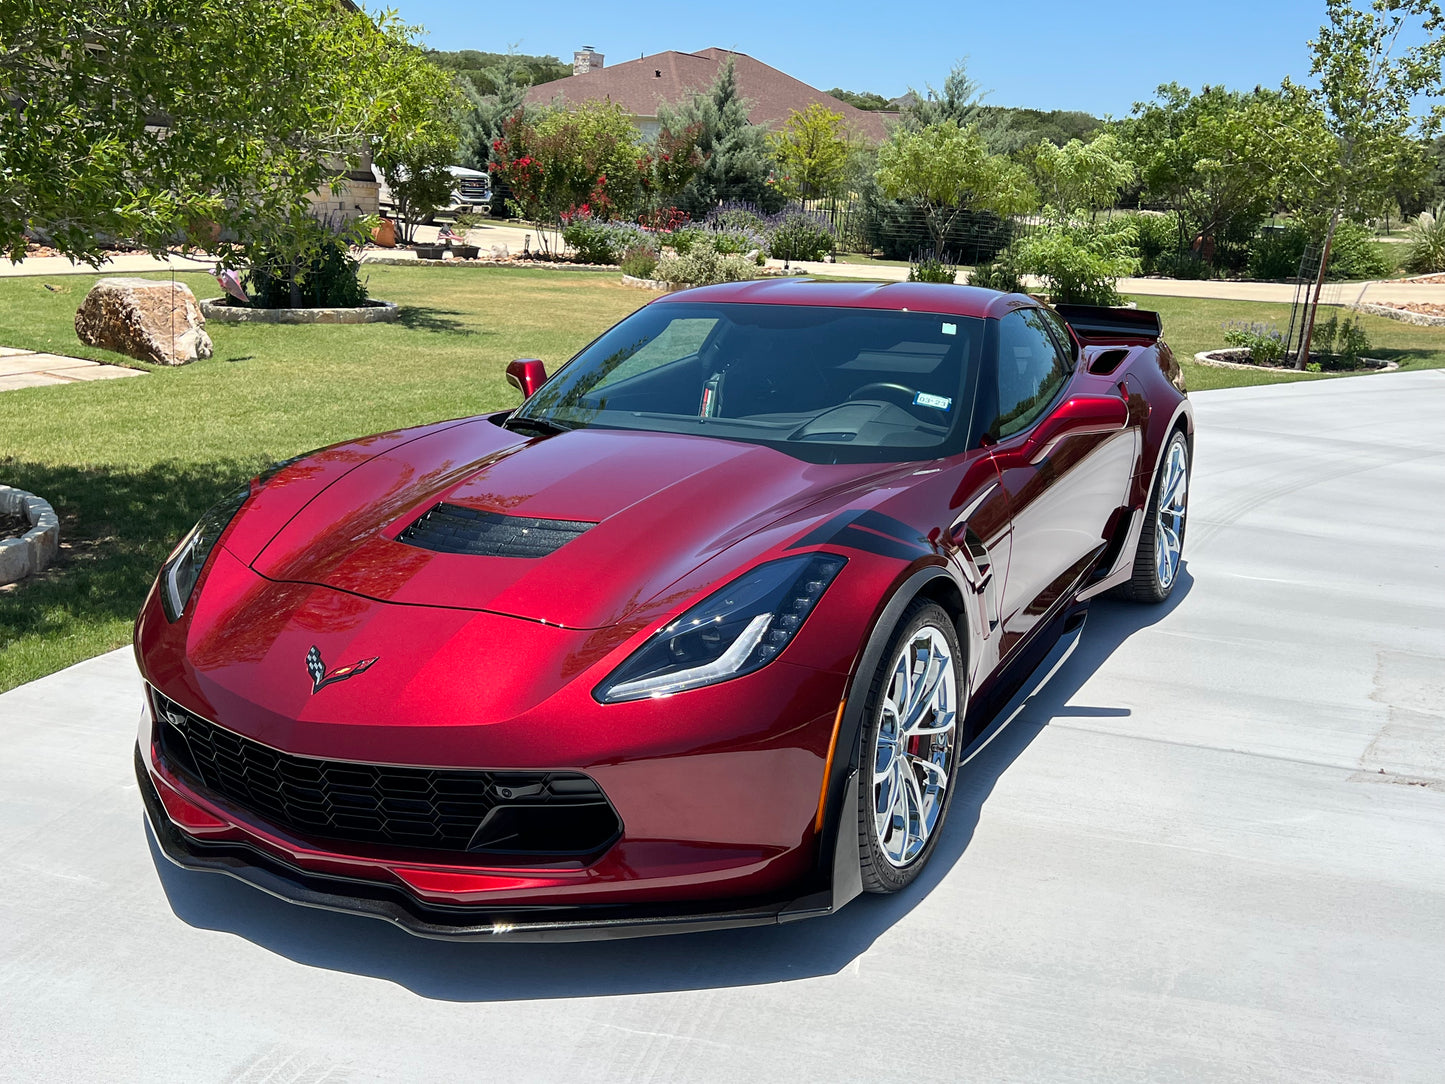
(483,70)
(862,100)
(1008,128)
(1026,127)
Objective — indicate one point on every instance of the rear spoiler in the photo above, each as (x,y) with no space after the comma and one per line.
(1095,322)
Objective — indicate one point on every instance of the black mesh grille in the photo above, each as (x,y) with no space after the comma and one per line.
(451,528)
(542,814)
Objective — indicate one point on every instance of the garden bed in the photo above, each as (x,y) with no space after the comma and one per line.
(29,534)
(228,312)
(1240,359)
(1419,313)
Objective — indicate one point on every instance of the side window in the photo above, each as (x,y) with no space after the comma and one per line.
(1060,330)
(1030,370)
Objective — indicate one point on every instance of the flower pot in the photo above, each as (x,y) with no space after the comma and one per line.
(385,234)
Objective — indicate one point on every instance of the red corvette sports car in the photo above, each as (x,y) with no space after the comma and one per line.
(697,636)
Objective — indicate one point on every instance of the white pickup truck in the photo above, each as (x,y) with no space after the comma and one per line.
(471,191)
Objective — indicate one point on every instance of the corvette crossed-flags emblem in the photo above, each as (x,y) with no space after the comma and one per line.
(321,677)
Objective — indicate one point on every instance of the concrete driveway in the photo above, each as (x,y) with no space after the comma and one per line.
(1212,848)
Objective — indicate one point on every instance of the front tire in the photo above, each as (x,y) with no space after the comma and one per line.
(909,748)
(1161,542)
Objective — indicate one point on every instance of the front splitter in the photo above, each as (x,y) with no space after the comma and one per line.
(370,899)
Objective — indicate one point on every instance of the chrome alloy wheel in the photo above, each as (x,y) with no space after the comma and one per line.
(1173,506)
(917,735)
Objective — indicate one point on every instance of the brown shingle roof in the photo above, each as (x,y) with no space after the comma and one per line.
(638,85)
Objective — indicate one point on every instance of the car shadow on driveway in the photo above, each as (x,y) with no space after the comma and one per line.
(502,971)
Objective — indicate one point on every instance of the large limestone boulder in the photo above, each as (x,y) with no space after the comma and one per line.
(148,319)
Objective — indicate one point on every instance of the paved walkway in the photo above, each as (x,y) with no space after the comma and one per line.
(32,369)
(1211,849)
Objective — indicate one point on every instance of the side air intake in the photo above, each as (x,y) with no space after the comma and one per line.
(451,528)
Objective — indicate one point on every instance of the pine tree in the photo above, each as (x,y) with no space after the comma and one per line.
(737,159)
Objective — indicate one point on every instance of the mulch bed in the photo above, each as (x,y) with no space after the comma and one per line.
(13,526)
(1424,308)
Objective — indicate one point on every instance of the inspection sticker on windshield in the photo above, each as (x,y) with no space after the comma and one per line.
(950,329)
(937,402)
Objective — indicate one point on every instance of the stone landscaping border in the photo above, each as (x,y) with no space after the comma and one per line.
(653,284)
(1212,358)
(1405,316)
(378,312)
(37,547)
(486,261)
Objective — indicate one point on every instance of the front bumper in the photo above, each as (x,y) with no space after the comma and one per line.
(461,922)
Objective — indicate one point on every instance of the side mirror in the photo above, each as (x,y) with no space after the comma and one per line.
(526,375)
(1083,415)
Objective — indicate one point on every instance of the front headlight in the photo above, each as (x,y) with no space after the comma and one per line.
(183,568)
(732,632)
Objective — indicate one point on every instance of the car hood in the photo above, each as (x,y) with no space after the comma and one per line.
(650,508)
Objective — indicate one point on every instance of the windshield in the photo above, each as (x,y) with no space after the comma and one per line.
(825,384)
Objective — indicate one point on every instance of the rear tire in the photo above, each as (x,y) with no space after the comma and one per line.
(908,753)
(1161,542)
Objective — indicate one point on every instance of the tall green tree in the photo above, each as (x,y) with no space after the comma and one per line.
(945,170)
(957,103)
(147,120)
(1081,176)
(1209,157)
(737,162)
(813,149)
(1351,132)
(486,111)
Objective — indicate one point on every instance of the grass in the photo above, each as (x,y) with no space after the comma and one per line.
(1195,324)
(131,464)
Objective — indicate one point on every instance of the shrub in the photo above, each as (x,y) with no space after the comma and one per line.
(1181,265)
(1337,344)
(1157,244)
(739,242)
(639,261)
(308,264)
(682,240)
(1275,254)
(999,274)
(931,269)
(1264,342)
(702,265)
(799,235)
(736,215)
(595,241)
(1427,243)
(1080,261)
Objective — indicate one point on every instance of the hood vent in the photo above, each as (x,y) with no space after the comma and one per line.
(452,528)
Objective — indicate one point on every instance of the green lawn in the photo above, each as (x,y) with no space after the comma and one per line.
(131,464)
(1194,324)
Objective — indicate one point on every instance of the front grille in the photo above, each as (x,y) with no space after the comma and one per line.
(475,189)
(453,528)
(541,815)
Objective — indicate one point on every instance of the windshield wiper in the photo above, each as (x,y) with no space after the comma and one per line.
(541,426)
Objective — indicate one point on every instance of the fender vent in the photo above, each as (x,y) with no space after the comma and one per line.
(451,528)
(1106,361)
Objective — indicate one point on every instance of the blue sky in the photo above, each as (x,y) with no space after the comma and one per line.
(1044,54)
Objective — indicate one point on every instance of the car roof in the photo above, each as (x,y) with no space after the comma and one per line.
(897,296)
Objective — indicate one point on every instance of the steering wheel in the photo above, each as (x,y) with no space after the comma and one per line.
(901,394)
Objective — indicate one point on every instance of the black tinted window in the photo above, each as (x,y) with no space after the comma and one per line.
(861,383)
(1030,371)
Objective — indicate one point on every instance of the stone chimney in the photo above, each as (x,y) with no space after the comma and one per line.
(586,59)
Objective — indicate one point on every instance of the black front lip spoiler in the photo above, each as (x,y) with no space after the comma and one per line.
(453,922)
